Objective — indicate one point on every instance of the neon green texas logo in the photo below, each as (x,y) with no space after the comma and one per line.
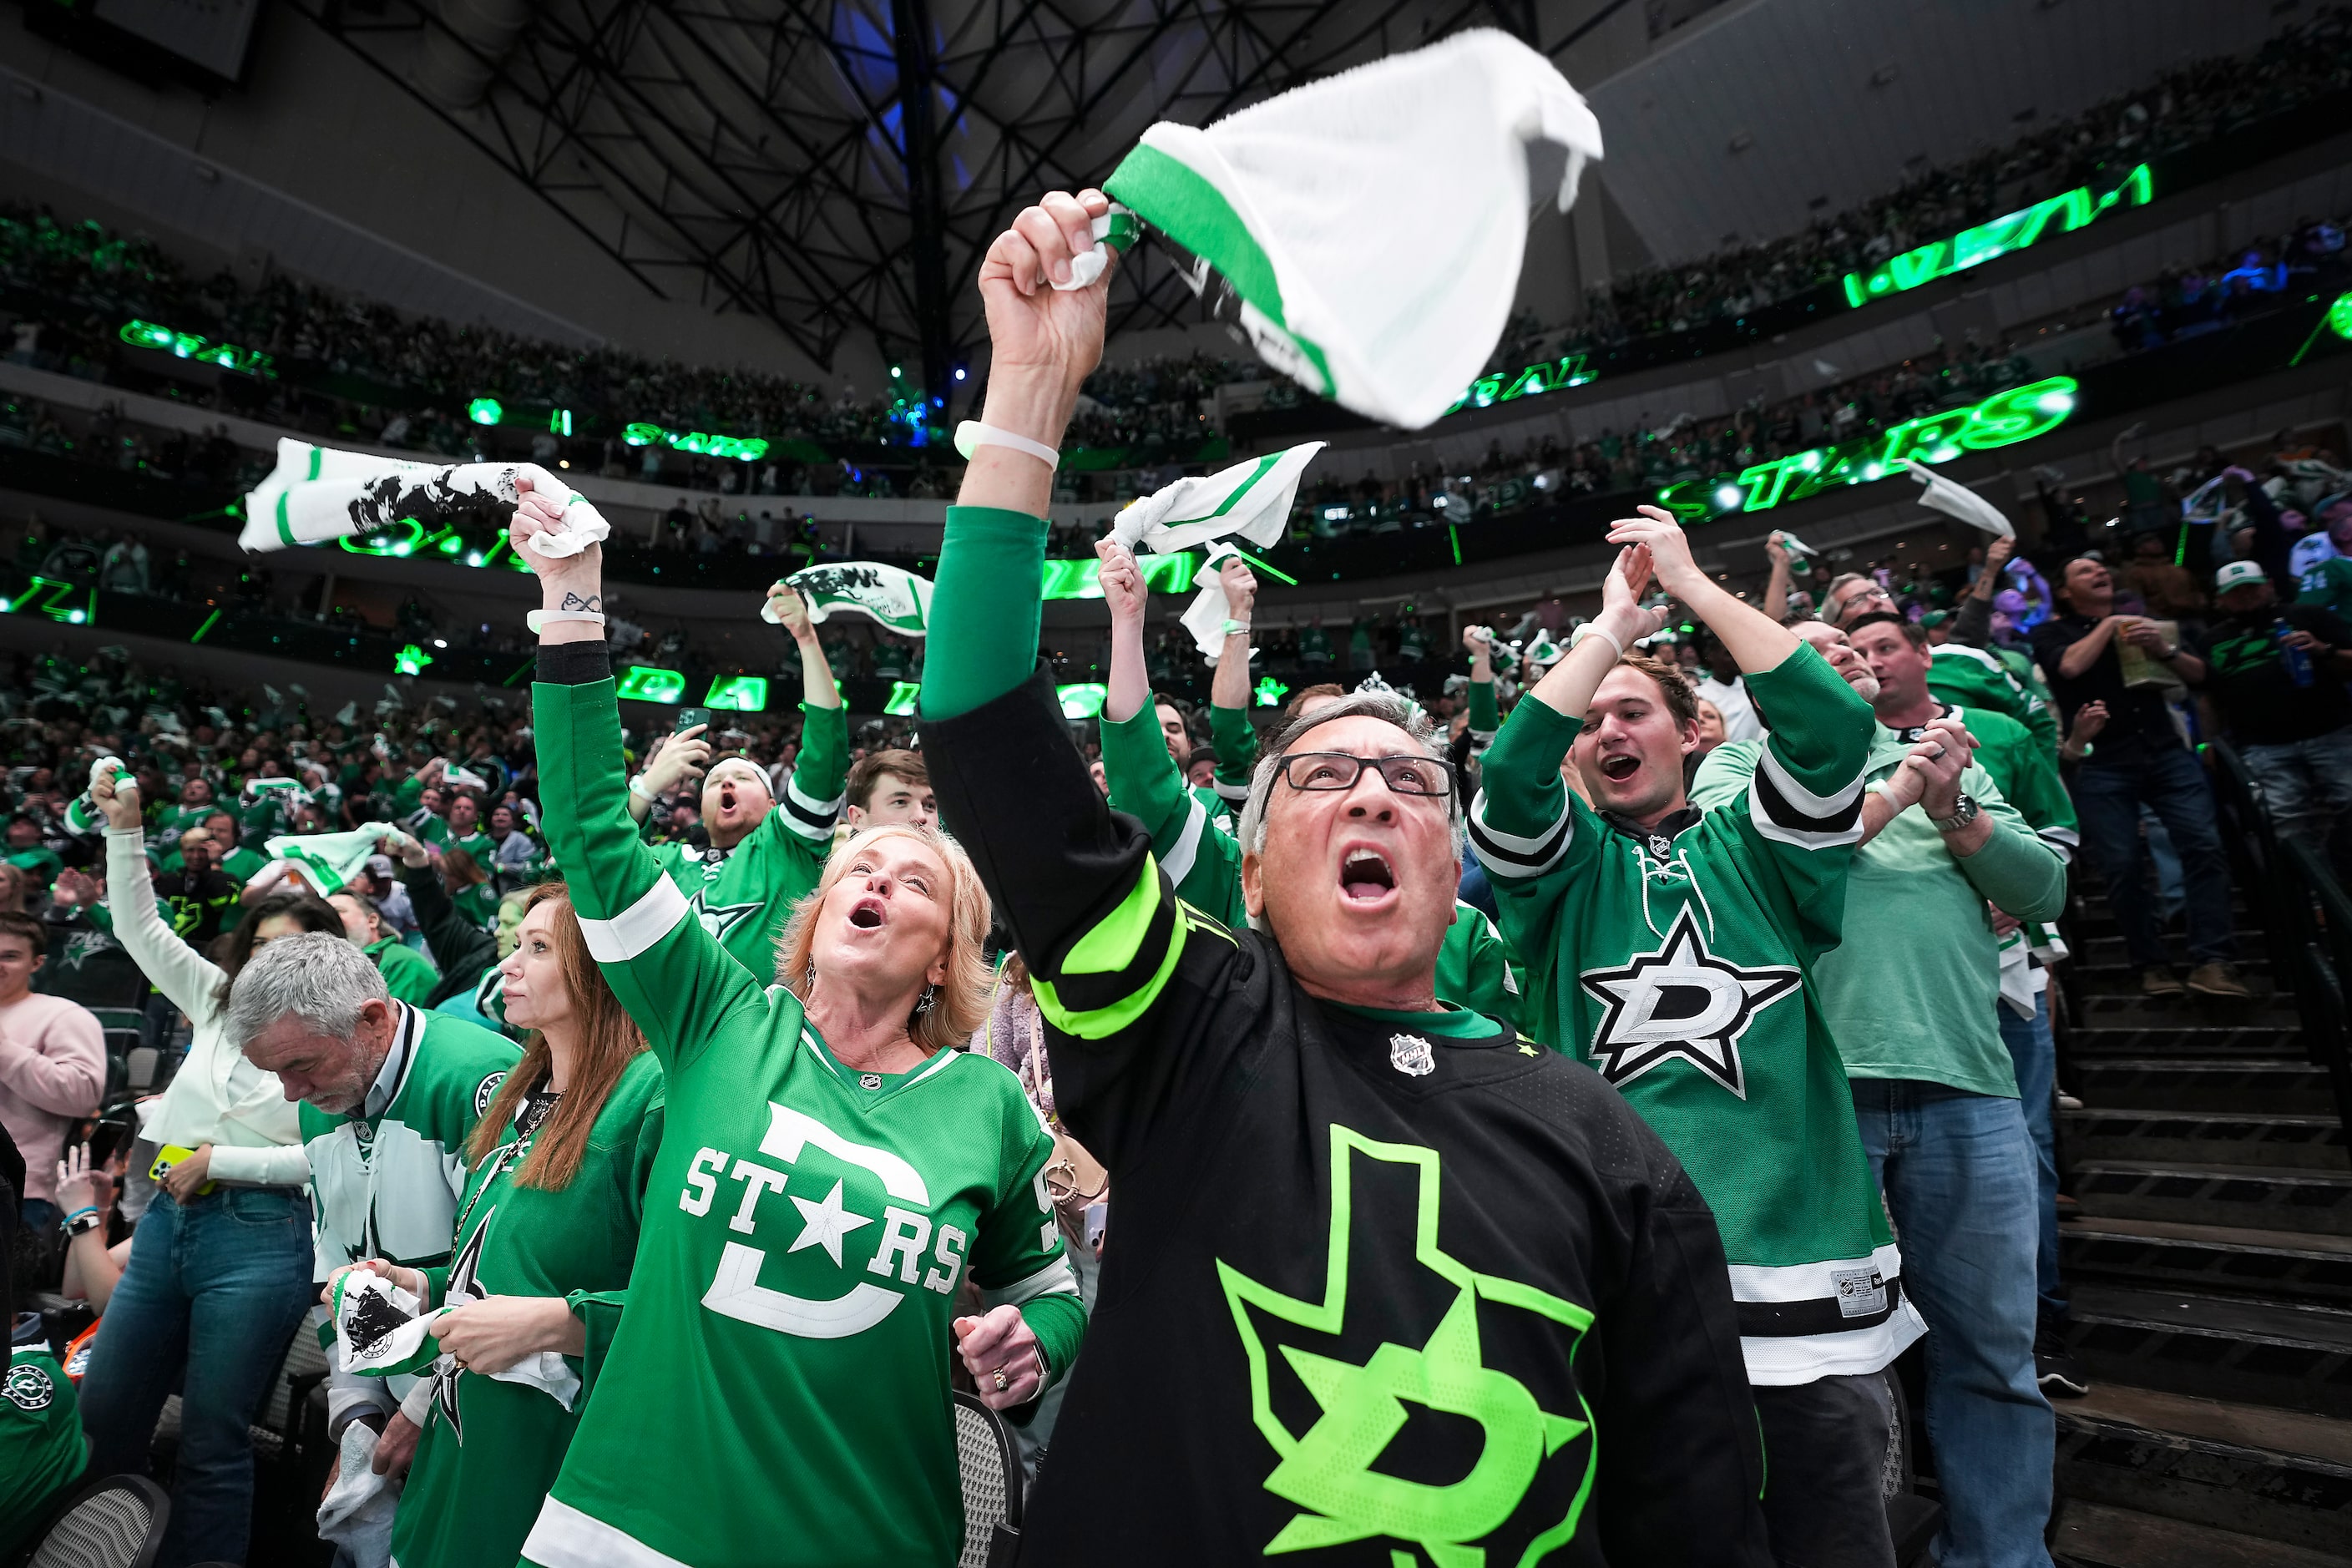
(1329,1472)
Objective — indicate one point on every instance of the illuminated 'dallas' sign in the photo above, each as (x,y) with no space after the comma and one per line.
(2001,420)
(743,448)
(1552,375)
(188,347)
(1973,246)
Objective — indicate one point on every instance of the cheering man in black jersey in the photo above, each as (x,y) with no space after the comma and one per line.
(1384,1281)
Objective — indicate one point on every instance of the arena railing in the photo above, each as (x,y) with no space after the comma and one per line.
(2306,919)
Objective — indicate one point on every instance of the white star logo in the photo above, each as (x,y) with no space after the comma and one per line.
(1681,1001)
(719,919)
(827,1223)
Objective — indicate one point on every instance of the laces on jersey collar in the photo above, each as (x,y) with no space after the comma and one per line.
(1658,852)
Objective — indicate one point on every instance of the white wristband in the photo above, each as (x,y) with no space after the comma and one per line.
(540,620)
(643,792)
(971,436)
(1594,628)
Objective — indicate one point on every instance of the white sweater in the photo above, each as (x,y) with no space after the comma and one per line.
(218,1097)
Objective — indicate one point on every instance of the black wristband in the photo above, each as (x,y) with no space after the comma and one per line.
(574,663)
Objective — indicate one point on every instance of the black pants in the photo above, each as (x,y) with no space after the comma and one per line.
(1824,1456)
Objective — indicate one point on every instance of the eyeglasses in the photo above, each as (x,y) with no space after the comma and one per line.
(1341,769)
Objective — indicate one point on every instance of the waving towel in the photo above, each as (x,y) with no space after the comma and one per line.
(328,861)
(1372,222)
(1252,500)
(380,1332)
(318,494)
(896,600)
(1959,501)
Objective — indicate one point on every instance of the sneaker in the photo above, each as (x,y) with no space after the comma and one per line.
(2217,979)
(2156,980)
(2055,1367)
(2068,1102)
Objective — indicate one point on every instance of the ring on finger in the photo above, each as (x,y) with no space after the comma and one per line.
(1001,1381)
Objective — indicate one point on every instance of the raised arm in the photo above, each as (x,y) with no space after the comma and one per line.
(1775,585)
(182,974)
(818,789)
(1125,594)
(674,978)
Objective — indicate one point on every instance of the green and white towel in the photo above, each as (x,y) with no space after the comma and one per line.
(328,861)
(379,1332)
(1959,501)
(1373,223)
(896,600)
(1252,500)
(321,493)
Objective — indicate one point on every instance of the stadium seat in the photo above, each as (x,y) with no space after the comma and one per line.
(991,1486)
(118,1523)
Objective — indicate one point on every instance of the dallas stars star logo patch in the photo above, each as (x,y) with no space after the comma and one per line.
(1681,1001)
(721,919)
(463,1286)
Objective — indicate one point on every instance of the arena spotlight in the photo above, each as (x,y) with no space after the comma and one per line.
(484,411)
(1729,496)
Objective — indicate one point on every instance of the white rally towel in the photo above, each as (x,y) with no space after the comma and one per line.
(1373,223)
(896,599)
(1959,501)
(318,493)
(328,861)
(1205,616)
(1252,500)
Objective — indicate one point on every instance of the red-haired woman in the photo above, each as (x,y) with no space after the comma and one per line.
(544,1239)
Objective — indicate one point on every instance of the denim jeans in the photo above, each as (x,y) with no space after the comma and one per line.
(1824,1471)
(2035,1055)
(1957,1172)
(2168,780)
(2305,785)
(213,1291)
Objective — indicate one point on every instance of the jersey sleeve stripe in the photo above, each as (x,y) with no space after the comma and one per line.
(1092,1001)
(1236,795)
(1055,1278)
(2063,842)
(1187,848)
(637,928)
(564,1537)
(1517,854)
(812,819)
(1803,806)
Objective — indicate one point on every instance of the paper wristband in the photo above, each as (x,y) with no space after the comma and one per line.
(971,436)
(540,620)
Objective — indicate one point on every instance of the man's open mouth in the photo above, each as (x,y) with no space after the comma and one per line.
(1365,876)
(1621,767)
(726,800)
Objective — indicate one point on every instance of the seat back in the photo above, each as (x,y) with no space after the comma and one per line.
(118,1523)
(990,1467)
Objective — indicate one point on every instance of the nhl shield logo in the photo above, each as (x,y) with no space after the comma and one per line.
(1411,1054)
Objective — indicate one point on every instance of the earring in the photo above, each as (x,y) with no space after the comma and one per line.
(930,998)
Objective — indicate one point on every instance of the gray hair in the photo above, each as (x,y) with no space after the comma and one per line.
(315,976)
(1386,706)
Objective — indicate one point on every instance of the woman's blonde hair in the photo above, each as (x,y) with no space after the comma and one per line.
(609,1040)
(960,1004)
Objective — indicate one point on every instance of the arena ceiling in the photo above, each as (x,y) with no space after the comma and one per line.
(837,167)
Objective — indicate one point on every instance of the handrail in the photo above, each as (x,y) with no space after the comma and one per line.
(2306,921)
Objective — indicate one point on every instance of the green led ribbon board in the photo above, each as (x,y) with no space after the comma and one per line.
(188,347)
(2001,420)
(2064,213)
(1171,574)
(647,683)
(740,693)
(743,449)
(1552,375)
(903,693)
(1080,698)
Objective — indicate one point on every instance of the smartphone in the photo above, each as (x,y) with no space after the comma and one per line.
(687,718)
(1097,1221)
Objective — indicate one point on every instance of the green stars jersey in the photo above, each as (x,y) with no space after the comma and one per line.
(1675,961)
(40,1441)
(744,895)
(1194,841)
(806,1229)
(1983,679)
(2328,586)
(1482,1272)
(408,975)
(491,1449)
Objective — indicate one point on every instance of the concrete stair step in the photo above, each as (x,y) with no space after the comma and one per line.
(2214,1194)
(2103,949)
(2283,1355)
(2263,1087)
(2168,1255)
(2297,1143)
(2272,1475)
(2095,1535)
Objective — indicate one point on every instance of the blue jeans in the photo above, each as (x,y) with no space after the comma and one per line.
(2169,781)
(2306,785)
(2035,1055)
(1957,1172)
(212,1294)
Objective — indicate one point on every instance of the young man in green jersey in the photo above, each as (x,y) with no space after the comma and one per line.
(407,973)
(41,1449)
(1912,996)
(1899,658)
(1672,949)
(1342,1204)
(388,1094)
(762,853)
(1192,831)
(890,787)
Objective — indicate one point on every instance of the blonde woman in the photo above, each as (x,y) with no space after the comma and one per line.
(540,1255)
(778,1393)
